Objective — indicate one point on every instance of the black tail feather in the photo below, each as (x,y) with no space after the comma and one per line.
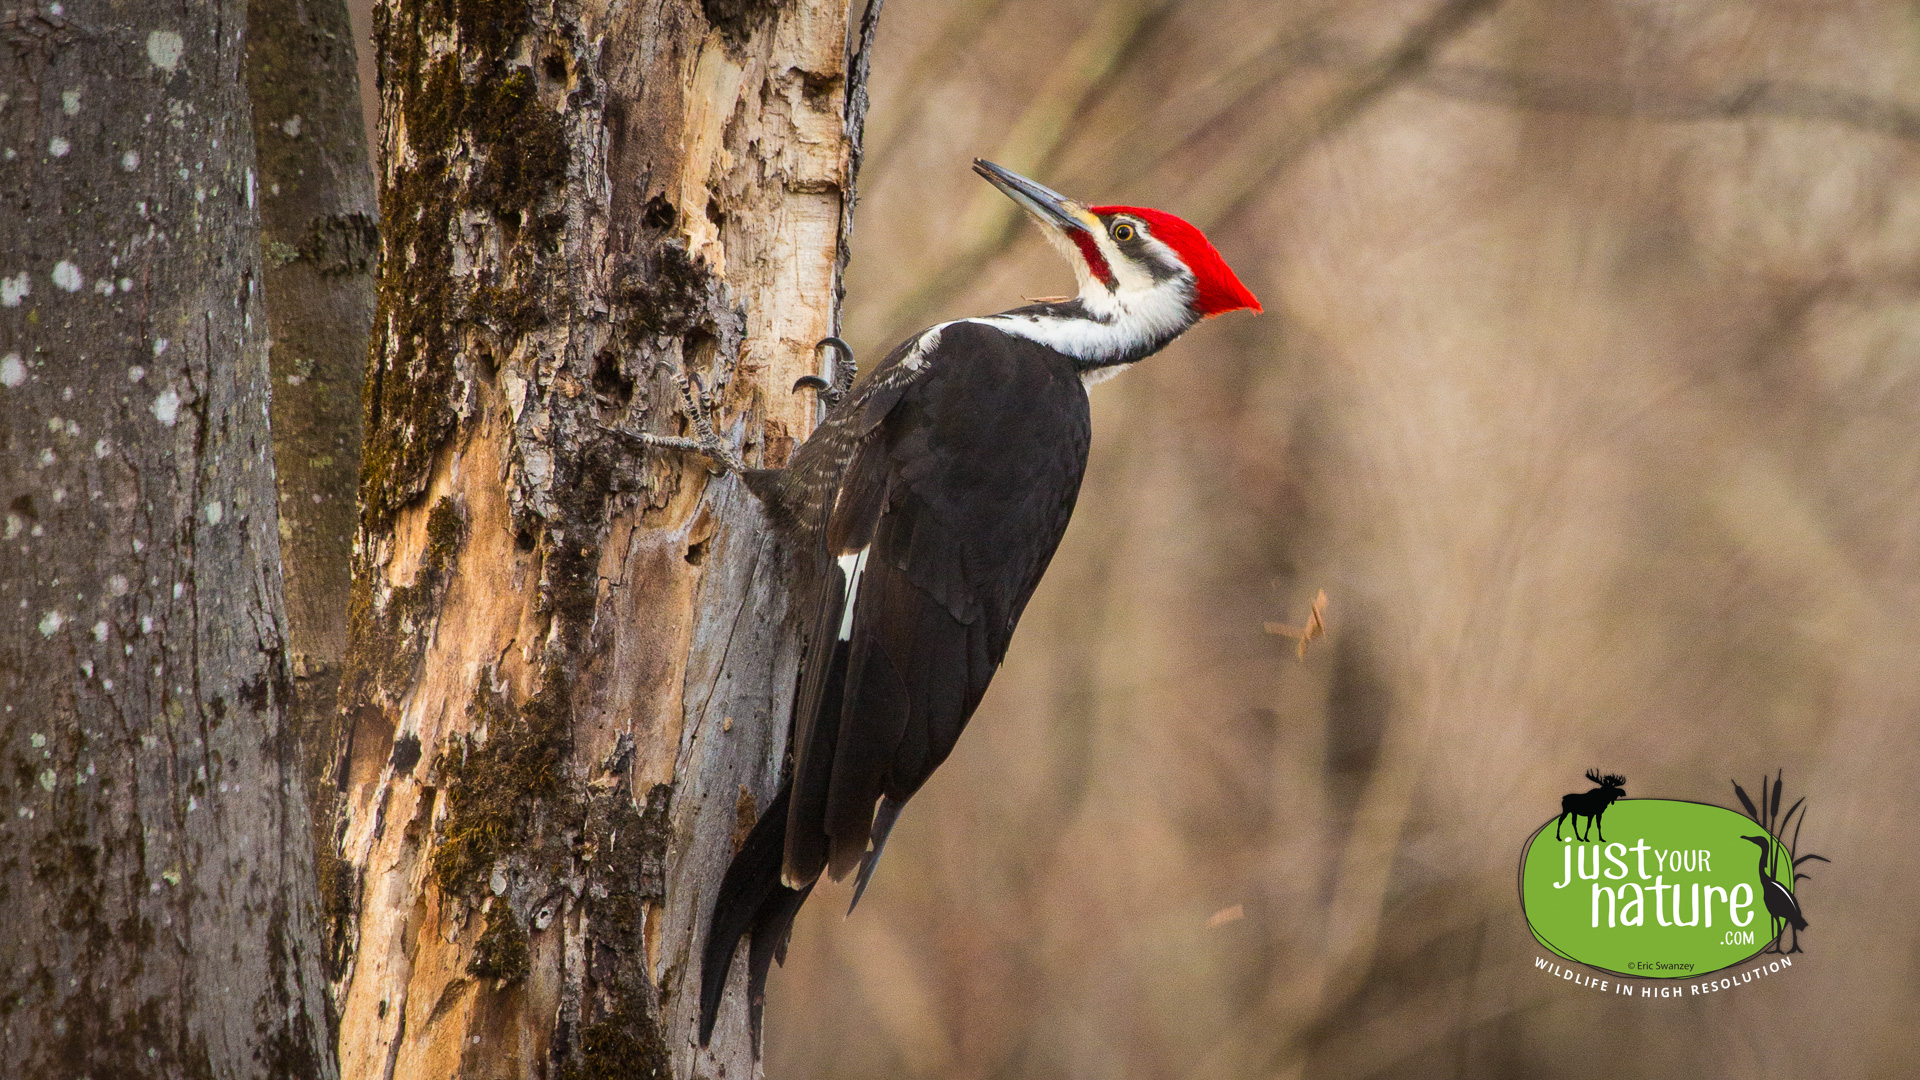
(751,901)
(768,944)
(816,724)
(882,825)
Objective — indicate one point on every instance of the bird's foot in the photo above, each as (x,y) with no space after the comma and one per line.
(841,373)
(705,440)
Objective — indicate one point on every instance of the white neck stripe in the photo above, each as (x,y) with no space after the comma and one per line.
(1128,326)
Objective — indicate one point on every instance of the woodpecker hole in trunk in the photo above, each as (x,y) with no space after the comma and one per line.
(609,381)
(659,213)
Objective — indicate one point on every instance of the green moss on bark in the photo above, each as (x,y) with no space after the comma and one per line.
(474,108)
(501,952)
(386,641)
(625,853)
(666,291)
(496,779)
(626,1045)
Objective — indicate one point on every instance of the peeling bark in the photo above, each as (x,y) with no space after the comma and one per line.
(570,665)
(155,859)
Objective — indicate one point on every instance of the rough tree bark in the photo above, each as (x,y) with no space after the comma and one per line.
(571,663)
(320,242)
(156,864)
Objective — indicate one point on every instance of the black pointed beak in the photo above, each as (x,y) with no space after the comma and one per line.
(1044,203)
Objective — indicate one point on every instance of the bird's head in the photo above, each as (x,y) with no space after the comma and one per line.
(1129,259)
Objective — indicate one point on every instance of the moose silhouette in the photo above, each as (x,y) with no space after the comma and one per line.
(1590,804)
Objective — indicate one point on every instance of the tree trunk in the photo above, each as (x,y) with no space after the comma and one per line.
(320,242)
(156,865)
(571,664)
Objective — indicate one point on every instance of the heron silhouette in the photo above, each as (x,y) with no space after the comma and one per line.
(1779,900)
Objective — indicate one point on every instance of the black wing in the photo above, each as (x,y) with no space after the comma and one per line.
(959,494)
(956,467)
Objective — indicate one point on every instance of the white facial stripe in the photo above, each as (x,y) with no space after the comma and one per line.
(1160,249)
(1129,321)
(1135,312)
(1128,275)
(853,565)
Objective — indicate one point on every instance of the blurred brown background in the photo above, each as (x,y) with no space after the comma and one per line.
(1587,390)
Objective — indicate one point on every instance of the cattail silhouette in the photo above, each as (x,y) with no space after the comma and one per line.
(1781,903)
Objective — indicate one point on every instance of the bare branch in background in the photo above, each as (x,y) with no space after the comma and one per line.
(1760,97)
(1043,133)
(1192,113)
(991,223)
(1314,627)
(1240,187)
(933,64)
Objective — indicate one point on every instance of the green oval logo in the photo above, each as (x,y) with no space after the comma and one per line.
(1675,890)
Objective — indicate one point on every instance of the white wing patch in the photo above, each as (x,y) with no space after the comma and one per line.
(853,565)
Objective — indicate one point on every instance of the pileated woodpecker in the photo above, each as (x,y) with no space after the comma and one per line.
(933,495)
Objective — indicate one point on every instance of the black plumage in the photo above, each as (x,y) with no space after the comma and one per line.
(955,466)
(963,492)
(933,495)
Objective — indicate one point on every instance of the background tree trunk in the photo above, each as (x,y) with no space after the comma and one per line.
(155,867)
(570,665)
(320,241)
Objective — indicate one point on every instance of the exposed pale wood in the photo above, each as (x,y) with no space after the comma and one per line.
(592,651)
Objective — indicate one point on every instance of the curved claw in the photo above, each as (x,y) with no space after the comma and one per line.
(846,350)
(844,372)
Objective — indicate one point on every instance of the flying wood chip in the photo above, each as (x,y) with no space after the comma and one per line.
(1303,634)
(1226,915)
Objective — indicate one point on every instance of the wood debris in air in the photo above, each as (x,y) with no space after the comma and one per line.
(1226,915)
(1315,627)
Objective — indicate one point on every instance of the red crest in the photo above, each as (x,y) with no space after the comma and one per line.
(1216,288)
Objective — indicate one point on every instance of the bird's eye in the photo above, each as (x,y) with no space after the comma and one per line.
(1123,232)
